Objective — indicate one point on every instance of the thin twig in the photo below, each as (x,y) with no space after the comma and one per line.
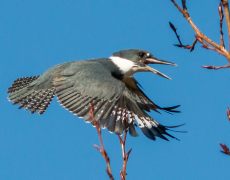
(101,147)
(216,67)
(125,155)
(228,113)
(221,15)
(175,31)
(193,44)
(181,45)
(225,149)
(184,5)
(227,18)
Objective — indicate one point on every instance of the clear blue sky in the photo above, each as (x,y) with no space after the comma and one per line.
(36,35)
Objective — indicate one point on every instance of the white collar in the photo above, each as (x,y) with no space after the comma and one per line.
(123,64)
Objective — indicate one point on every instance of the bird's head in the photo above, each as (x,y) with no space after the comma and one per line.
(135,60)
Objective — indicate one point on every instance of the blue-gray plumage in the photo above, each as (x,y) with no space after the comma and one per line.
(107,83)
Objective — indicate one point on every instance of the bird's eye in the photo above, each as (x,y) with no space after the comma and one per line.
(142,54)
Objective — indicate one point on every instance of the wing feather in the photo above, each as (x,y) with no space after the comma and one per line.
(73,98)
(117,106)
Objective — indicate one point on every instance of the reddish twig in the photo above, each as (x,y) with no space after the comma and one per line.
(216,67)
(228,113)
(101,147)
(204,40)
(125,155)
(225,149)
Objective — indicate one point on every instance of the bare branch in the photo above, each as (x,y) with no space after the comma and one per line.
(202,38)
(101,147)
(207,42)
(221,15)
(125,155)
(227,18)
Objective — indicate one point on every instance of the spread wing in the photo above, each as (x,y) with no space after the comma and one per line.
(77,90)
(116,107)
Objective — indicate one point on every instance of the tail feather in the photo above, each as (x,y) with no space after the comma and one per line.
(152,128)
(26,96)
(170,109)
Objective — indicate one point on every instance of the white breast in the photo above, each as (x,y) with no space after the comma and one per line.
(123,64)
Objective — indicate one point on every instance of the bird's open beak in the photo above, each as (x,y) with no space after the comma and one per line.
(148,68)
(153,60)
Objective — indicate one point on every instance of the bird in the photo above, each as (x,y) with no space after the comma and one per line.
(119,103)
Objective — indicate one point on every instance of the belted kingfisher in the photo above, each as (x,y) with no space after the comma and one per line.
(107,83)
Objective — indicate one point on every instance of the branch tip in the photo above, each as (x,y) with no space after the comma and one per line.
(184,5)
(216,67)
(224,149)
(228,113)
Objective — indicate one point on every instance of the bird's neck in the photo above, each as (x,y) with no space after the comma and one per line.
(124,65)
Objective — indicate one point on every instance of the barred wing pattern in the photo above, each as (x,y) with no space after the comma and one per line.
(23,93)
